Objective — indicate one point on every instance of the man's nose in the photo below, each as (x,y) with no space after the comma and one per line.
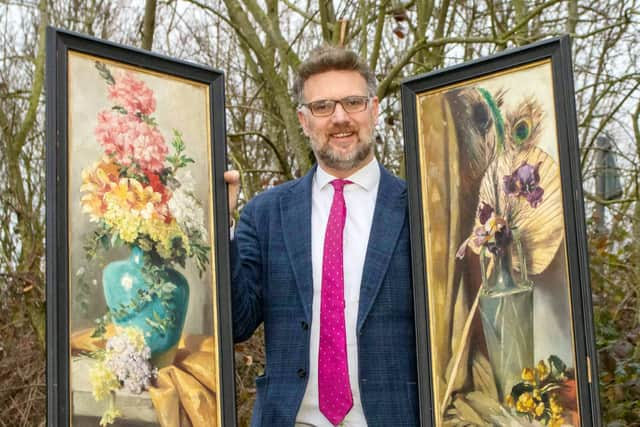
(339,114)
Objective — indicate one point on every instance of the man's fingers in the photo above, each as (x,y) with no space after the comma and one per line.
(232,178)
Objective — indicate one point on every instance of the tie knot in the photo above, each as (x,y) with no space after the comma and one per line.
(338,184)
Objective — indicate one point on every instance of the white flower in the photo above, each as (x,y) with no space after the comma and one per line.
(185,207)
(128,357)
(147,211)
(126,282)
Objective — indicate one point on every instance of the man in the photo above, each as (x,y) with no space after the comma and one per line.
(324,262)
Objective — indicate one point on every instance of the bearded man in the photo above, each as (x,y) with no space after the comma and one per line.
(324,262)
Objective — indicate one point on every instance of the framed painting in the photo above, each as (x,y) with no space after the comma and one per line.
(501,284)
(138,299)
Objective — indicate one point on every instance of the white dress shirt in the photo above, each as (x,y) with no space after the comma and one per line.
(360,199)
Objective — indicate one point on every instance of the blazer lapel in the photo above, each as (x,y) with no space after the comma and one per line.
(295,211)
(388,219)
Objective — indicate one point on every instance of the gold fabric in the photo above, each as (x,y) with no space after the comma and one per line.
(188,386)
(448,160)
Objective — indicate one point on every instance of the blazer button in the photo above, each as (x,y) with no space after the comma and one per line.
(302,373)
(304,325)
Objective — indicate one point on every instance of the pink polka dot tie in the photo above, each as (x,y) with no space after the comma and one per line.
(333,372)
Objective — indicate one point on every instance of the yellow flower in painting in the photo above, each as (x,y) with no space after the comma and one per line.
(135,337)
(96,182)
(536,394)
(525,403)
(142,196)
(103,381)
(131,195)
(509,401)
(528,375)
(542,370)
(164,234)
(556,422)
(124,221)
(109,417)
(120,194)
(556,408)
(539,409)
(133,210)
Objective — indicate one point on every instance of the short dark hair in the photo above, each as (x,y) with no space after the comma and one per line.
(329,58)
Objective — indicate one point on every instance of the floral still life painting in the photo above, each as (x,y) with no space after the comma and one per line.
(142,314)
(502,349)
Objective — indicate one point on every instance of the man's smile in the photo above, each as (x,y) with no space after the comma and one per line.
(342,134)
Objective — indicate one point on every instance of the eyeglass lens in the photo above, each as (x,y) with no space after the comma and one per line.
(350,104)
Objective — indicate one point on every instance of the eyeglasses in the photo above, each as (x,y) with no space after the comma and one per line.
(326,107)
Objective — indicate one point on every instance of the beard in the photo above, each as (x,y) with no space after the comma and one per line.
(343,162)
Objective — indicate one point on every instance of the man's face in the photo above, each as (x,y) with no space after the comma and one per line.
(342,142)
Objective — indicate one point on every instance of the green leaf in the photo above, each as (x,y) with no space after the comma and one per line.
(101,326)
(558,367)
(168,288)
(151,121)
(104,72)
(520,388)
(120,109)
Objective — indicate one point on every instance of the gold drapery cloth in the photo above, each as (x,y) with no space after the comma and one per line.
(188,386)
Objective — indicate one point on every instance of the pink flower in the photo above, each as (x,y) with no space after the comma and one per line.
(131,141)
(132,94)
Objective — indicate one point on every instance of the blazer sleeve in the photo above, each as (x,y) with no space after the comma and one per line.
(246,276)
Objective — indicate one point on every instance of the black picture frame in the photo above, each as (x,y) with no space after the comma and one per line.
(556,54)
(61,45)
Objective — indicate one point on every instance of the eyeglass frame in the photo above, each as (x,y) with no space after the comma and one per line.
(367,99)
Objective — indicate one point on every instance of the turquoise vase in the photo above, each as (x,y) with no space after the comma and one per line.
(125,290)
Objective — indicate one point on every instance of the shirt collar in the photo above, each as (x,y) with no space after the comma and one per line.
(366,177)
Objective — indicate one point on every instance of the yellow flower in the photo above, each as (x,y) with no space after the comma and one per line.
(164,233)
(528,375)
(556,408)
(525,403)
(536,394)
(103,381)
(556,422)
(135,337)
(539,409)
(509,401)
(132,210)
(125,222)
(542,370)
(120,194)
(96,182)
(141,196)
(109,417)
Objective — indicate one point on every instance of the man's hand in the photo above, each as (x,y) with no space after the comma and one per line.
(232,178)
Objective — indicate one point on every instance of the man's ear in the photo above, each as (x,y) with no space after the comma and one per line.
(375,107)
(302,118)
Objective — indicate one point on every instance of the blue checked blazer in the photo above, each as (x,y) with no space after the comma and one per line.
(272,283)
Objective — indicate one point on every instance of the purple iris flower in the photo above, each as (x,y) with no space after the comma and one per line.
(525,182)
(501,240)
(484,212)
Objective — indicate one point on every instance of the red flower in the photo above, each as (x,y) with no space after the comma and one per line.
(158,186)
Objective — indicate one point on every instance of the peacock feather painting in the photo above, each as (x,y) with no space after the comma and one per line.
(499,299)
